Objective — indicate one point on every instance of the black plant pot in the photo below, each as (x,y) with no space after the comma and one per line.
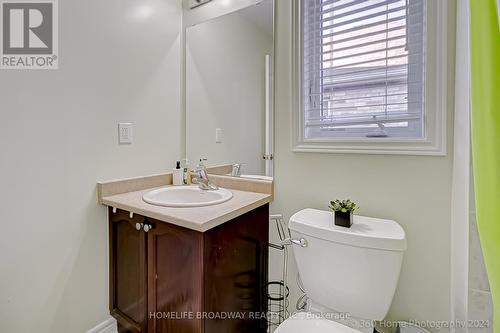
(343,219)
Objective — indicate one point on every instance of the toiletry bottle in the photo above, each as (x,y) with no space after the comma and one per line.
(187,173)
(178,174)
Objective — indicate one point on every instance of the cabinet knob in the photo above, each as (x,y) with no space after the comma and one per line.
(147,227)
(138,226)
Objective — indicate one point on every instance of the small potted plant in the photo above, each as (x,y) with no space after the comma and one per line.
(343,212)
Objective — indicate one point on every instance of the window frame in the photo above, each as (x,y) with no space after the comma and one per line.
(435,88)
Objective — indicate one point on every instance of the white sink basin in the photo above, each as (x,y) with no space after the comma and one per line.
(186,196)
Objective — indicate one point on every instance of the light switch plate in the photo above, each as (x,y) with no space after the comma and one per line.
(125,133)
(219,135)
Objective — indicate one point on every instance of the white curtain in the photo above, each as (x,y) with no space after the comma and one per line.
(498,9)
(461,170)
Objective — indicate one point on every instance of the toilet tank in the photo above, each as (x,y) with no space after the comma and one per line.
(349,270)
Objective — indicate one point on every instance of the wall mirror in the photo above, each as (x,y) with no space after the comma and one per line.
(229,85)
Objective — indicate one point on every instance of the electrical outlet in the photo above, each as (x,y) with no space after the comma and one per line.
(125,133)
(219,135)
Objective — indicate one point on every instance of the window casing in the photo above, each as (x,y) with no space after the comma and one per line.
(362,76)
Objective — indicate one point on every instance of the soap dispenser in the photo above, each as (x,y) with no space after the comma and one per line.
(178,174)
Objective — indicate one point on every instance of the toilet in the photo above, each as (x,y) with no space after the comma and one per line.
(349,274)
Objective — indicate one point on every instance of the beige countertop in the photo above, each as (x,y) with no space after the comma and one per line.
(127,195)
(195,218)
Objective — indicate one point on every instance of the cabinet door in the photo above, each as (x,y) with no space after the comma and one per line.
(128,269)
(236,257)
(175,279)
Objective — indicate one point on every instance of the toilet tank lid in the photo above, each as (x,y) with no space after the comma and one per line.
(366,232)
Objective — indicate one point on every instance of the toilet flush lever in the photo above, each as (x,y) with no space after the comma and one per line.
(301,242)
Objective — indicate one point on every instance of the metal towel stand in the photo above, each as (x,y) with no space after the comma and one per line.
(278,291)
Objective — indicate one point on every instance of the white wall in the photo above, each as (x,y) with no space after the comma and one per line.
(225,88)
(119,61)
(413,190)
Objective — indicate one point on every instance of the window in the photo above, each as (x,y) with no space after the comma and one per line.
(364,76)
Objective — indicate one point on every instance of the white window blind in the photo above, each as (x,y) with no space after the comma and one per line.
(363,68)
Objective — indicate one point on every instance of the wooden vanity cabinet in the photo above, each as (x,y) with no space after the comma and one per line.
(177,280)
(128,271)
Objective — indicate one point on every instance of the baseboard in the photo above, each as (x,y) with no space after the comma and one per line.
(107,326)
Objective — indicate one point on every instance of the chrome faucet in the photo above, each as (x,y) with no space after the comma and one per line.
(236,171)
(201,177)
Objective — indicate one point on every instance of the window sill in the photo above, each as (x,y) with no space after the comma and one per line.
(363,146)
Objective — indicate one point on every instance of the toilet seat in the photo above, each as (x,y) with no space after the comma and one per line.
(307,322)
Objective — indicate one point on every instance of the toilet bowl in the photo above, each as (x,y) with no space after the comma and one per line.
(348,273)
(307,322)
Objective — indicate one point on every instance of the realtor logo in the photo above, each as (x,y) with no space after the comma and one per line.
(28,35)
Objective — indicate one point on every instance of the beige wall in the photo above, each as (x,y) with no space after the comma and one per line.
(413,190)
(119,61)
